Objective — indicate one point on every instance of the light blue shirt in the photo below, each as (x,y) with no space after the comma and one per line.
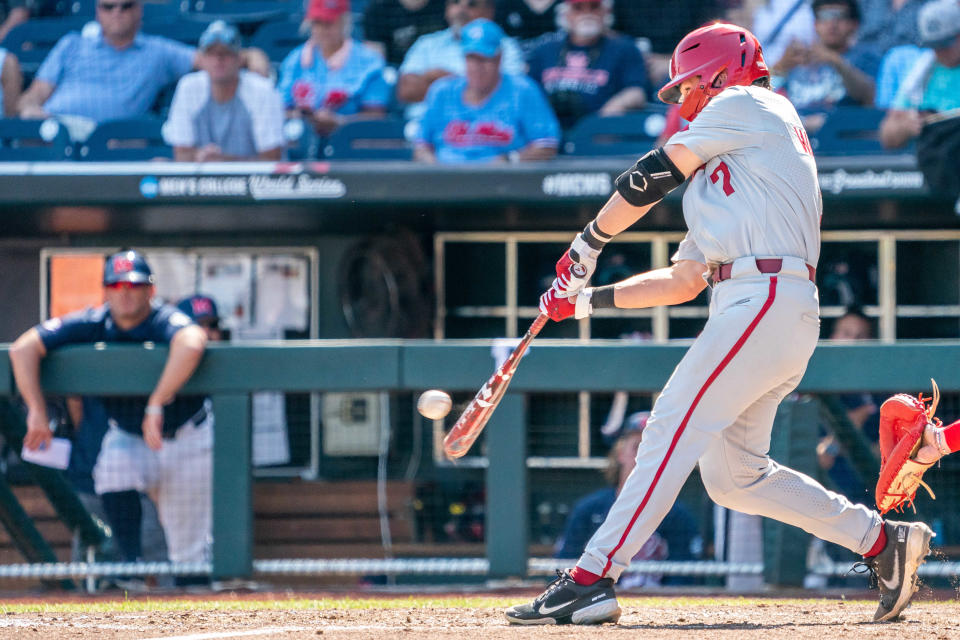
(514,116)
(894,67)
(94,80)
(441,50)
(357,84)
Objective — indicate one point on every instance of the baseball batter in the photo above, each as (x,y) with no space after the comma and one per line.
(753,211)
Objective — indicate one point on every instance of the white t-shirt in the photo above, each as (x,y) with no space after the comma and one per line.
(250,123)
(757,193)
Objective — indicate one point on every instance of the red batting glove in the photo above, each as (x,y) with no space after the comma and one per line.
(557,306)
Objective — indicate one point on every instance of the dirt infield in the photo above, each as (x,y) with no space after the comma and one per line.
(416,618)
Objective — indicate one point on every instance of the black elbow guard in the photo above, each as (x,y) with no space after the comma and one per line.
(653,177)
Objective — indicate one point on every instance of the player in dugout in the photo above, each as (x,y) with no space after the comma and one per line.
(154,443)
(753,209)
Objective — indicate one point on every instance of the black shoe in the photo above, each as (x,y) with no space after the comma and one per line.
(895,568)
(566,602)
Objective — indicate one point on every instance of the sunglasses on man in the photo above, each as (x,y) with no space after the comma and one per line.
(469,4)
(113,6)
(838,13)
(115,286)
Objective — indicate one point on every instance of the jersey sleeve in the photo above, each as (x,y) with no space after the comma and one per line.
(539,123)
(73,328)
(633,70)
(417,59)
(52,67)
(178,130)
(512,61)
(431,123)
(723,126)
(688,250)
(179,58)
(266,112)
(168,321)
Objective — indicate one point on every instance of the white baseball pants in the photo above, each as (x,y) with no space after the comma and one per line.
(718,409)
(179,477)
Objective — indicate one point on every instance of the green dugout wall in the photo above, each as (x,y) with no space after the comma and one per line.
(230,373)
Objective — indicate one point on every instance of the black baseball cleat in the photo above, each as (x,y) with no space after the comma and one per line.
(566,602)
(895,568)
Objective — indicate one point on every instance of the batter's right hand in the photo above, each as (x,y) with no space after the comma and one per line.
(558,307)
(38,429)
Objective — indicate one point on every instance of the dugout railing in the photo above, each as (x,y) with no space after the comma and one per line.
(229,374)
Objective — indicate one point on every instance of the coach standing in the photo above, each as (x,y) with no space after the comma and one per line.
(148,438)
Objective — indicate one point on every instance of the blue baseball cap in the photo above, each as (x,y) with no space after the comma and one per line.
(199,308)
(481,37)
(220,32)
(127,266)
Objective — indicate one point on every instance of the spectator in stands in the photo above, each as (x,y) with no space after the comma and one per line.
(831,71)
(931,84)
(677,537)
(16,12)
(11,83)
(660,27)
(894,68)
(332,78)
(392,26)
(486,115)
(863,411)
(439,54)
(152,442)
(224,113)
(114,73)
(777,24)
(887,24)
(586,69)
(527,20)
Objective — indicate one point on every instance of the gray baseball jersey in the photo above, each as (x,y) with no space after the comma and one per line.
(752,197)
(756,196)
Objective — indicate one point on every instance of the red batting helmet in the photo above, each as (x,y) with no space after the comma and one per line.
(707,52)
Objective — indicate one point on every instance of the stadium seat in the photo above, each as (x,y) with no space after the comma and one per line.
(369,140)
(182,30)
(302,142)
(32,40)
(849,131)
(153,10)
(631,134)
(126,140)
(33,140)
(277,39)
(248,11)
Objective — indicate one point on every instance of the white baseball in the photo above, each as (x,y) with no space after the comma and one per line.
(434,404)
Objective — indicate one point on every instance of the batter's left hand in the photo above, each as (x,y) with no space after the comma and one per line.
(153,431)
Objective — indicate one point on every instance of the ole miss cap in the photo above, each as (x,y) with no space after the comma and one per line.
(199,308)
(220,32)
(481,37)
(327,10)
(127,266)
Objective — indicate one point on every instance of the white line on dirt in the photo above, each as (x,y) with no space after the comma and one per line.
(265,631)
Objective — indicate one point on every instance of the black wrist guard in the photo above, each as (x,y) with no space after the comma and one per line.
(603,297)
(648,181)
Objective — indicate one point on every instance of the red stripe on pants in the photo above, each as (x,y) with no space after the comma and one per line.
(771,295)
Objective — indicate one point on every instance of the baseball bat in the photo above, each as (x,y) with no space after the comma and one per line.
(474,418)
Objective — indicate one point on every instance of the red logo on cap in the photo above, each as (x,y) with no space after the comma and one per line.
(201,307)
(122,264)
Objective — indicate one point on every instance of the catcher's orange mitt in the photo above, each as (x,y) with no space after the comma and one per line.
(903,419)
